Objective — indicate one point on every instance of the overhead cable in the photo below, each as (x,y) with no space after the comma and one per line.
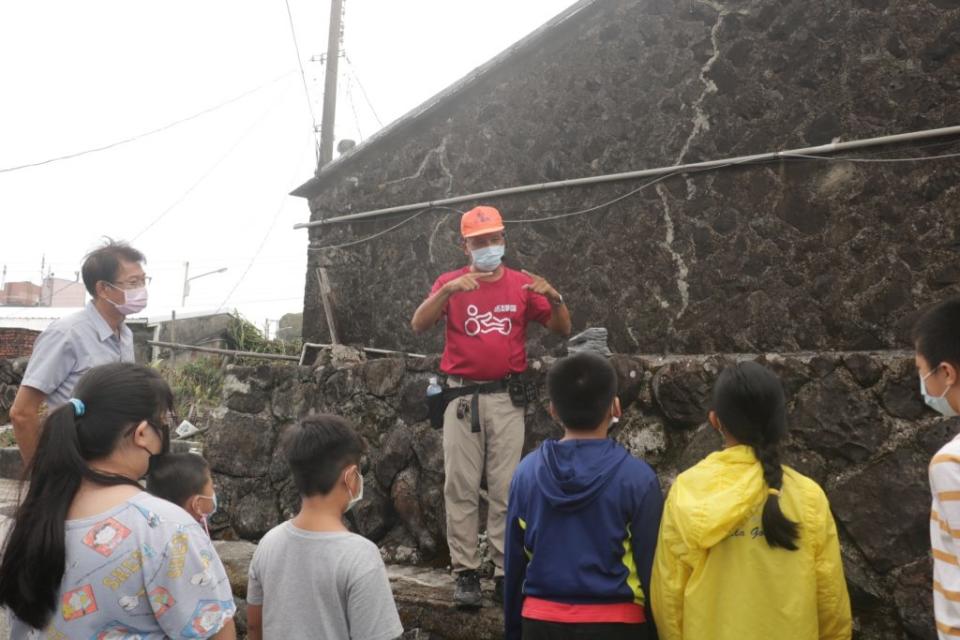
(209,171)
(633,192)
(771,156)
(303,77)
(145,134)
(353,70)
(263,241)
(385,231)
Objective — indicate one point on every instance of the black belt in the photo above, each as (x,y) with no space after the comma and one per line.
(452,393)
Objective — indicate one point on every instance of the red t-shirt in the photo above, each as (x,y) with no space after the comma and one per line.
(486,330)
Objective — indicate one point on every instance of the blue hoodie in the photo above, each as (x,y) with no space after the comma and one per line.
(582,524)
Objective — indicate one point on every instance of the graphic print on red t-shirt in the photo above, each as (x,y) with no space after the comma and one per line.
(486,329)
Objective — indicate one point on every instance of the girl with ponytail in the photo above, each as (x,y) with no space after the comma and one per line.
(90,553)
(748,548)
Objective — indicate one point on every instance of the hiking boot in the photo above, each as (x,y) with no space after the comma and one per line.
(467,593)
(498,590)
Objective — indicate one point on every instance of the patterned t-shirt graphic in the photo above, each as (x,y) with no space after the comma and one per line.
(486,323)
(143,570)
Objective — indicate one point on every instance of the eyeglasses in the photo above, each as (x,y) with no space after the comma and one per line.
(133,283)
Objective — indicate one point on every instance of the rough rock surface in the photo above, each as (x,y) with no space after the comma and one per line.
(786,256)
(11,372)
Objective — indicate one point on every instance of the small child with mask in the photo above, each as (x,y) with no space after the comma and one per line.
(310,577)
(936,340)
(184,479)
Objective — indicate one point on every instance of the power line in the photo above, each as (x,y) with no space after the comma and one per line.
(872,160)
(363,91)
(632,192)
(385,231)
(263,241)
(256,301)
(353,108)
(151,132)
(210,169)
(303,77)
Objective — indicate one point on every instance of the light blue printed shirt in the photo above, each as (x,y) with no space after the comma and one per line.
(69,347)
(143,570)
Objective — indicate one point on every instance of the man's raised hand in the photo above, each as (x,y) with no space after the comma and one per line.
(541,286)
(466,282)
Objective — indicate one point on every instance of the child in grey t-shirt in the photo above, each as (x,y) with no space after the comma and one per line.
(310,577)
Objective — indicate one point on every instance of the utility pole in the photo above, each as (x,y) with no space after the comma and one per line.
(187,279)
(330,82)
(186,283)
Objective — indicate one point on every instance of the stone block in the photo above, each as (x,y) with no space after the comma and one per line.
(682,390)
(249,505)
(374,515)
(382,377)
(901,391)
(838,419)
(236,557)
(885,508)
(913,599)
(11,465)
(395,454)
(294,400)
(630,378)
(240,445)
(865,368)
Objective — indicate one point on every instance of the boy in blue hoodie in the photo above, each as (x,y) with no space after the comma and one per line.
(582,520)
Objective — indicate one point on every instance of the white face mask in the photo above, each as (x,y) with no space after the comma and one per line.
(487,258)
(940,404)
(134,300)
(354,499)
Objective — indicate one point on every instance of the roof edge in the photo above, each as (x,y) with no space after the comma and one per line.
(312,186)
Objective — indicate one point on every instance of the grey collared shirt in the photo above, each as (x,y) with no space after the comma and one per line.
(69,347)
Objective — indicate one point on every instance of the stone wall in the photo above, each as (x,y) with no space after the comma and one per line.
(858,426)
(796,255)
(11,373)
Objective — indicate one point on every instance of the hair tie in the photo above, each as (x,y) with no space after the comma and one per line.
(774,492)
(78,407)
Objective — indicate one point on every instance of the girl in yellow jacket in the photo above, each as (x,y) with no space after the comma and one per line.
(748,548)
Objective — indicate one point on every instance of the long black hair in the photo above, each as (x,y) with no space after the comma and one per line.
(750,404)
(116,398)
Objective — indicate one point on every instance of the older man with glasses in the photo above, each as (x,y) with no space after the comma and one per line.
(486,307)
(114,277)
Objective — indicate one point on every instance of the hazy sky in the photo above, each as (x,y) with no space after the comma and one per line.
(77,75)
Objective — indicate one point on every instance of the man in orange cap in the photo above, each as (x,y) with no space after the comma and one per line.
(487,307)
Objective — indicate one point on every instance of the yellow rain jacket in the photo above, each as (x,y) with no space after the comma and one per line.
(716,578)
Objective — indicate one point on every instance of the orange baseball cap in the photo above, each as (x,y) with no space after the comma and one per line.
(480,220)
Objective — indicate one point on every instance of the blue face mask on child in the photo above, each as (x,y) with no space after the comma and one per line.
(940,404)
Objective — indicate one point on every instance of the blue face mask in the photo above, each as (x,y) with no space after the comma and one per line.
(487,258)
(940,404)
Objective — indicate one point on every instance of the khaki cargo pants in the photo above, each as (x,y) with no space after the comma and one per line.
(496,449)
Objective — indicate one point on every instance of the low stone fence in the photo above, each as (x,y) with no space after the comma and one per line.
(11,373)
(858,426)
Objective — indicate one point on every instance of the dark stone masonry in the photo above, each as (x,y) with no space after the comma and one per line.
(790,256)
(858,427)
